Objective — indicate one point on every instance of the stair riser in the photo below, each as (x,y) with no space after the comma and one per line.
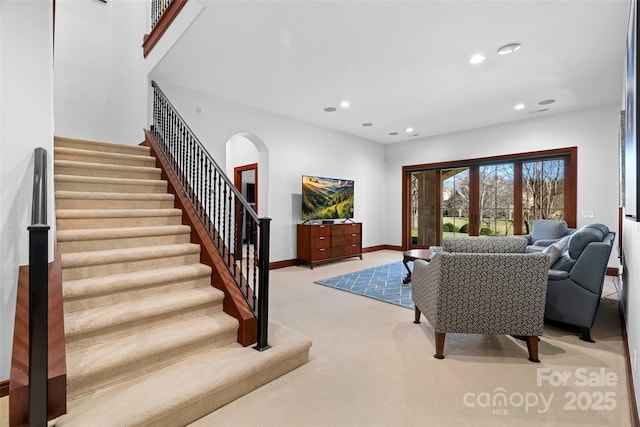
(137,294)
(107,173)
(80,386)
(127,267)
(148,162)
(82,144)
(77,341)
(112,204)
(132,242)
(153,187)
(194,408)
(87,223)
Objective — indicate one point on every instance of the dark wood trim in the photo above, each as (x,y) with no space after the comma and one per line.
(406,207)
(150,40)
(57,383)
(234,302)
(611,271)
(292,262)
(282,264)
(237,181)
(474,201)
(4,388)
(571,187)
(517,201)
(620,218)
(438,206)
(633,404)
(533,155)
(570,154)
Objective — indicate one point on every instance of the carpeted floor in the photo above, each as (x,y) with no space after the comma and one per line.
(372,366)
(383,283)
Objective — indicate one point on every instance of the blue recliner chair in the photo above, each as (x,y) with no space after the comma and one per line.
(576,277)
(546,232)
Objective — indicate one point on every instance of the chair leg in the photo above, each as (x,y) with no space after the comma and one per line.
(586,334)
(416,318)
(532,346)
(440,345)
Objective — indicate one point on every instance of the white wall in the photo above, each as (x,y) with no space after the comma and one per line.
(631,285)
(594,131)
(294,148)
(240,152)
(26,122)
(100,75)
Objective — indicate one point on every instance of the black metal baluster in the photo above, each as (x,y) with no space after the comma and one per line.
(229,219)
(210,199)
(247,230)
(218,207)
(255,261)
(200,184)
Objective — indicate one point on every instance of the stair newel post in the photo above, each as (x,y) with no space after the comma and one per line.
(38,323)
(263,284)
(39,294)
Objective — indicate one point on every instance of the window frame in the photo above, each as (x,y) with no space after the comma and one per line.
(569,154)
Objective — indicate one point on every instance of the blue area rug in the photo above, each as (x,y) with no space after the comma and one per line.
(383,283)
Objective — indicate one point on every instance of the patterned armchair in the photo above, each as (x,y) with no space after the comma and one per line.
(482,293)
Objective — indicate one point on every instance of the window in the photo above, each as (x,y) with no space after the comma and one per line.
(497,196)
(542,191)
(496,199)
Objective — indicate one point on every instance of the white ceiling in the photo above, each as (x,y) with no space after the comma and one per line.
(404,63)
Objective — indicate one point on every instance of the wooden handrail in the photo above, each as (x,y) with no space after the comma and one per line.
(234,302)
(167,17)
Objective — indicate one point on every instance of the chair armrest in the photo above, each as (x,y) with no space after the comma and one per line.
(425,281)
(545,242)
(557,274)
(591,266)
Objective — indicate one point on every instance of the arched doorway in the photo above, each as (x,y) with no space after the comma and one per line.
(247,155)
(247,165)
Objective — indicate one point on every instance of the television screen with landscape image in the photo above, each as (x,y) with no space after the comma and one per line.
(326,198)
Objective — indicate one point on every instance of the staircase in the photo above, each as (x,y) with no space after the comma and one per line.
(147,341)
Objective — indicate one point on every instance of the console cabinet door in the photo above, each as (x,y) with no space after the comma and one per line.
(338,241)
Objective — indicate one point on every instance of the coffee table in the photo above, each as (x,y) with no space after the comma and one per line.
(412,255)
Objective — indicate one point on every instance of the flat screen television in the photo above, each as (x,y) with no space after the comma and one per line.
(326,198)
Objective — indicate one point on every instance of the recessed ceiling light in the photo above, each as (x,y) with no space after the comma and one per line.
(367,124)
(393,133)
(519,106)
(547,102)
(477,59)
(345,104)
(509,48)
(330,109)
(409,130)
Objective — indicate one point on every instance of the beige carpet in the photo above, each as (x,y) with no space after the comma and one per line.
(147,341)
(371,366)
